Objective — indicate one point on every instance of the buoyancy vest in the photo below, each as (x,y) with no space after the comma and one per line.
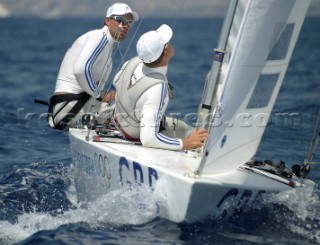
(128,94)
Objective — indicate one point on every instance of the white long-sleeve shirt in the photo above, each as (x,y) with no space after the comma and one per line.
(150,109)
(84,63)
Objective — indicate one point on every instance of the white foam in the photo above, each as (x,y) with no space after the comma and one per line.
(305,205)
(131,205)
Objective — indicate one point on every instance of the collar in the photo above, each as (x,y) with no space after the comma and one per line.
(143,70)
(106,31)
(162,69)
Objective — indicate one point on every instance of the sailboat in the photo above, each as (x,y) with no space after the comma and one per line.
(253,53)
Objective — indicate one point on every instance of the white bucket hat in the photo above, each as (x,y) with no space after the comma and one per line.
(151,44)
(121,9)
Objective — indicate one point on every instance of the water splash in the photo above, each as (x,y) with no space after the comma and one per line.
(127,206)
(41,196)
(298,210)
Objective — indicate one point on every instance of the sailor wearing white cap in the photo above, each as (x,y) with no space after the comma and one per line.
(143,95)
(86,67)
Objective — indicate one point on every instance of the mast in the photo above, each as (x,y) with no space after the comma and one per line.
(209,97)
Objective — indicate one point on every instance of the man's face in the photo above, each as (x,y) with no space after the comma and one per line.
(119,25)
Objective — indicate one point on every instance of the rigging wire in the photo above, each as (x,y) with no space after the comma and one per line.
(126,51)
(109,82)
(135,33)
(104,72)
(125,54)
(174,102)
(179,11)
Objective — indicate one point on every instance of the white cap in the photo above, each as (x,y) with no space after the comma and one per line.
(121,9)
(151,44)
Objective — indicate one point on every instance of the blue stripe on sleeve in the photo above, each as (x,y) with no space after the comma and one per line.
(159,136)
(91,60)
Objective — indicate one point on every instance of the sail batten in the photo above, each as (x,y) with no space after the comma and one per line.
(260,44)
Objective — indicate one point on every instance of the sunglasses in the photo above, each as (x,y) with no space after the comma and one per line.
(122,20)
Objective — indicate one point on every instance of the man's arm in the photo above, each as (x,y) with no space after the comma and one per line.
(152,105)
(84,68)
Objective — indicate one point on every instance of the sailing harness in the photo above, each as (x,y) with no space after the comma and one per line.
(65,98)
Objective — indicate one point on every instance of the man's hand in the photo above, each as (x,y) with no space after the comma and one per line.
(195,140)
(109,97)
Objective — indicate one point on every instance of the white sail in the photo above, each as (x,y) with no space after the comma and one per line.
(261,41)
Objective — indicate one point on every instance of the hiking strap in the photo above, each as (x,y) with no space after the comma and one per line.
(56,99)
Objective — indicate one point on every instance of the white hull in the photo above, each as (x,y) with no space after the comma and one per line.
(102,167)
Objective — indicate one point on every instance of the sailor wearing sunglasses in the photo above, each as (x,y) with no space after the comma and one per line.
(118,21)
(86,67)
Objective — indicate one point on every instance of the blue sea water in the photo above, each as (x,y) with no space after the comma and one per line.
(37,196)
